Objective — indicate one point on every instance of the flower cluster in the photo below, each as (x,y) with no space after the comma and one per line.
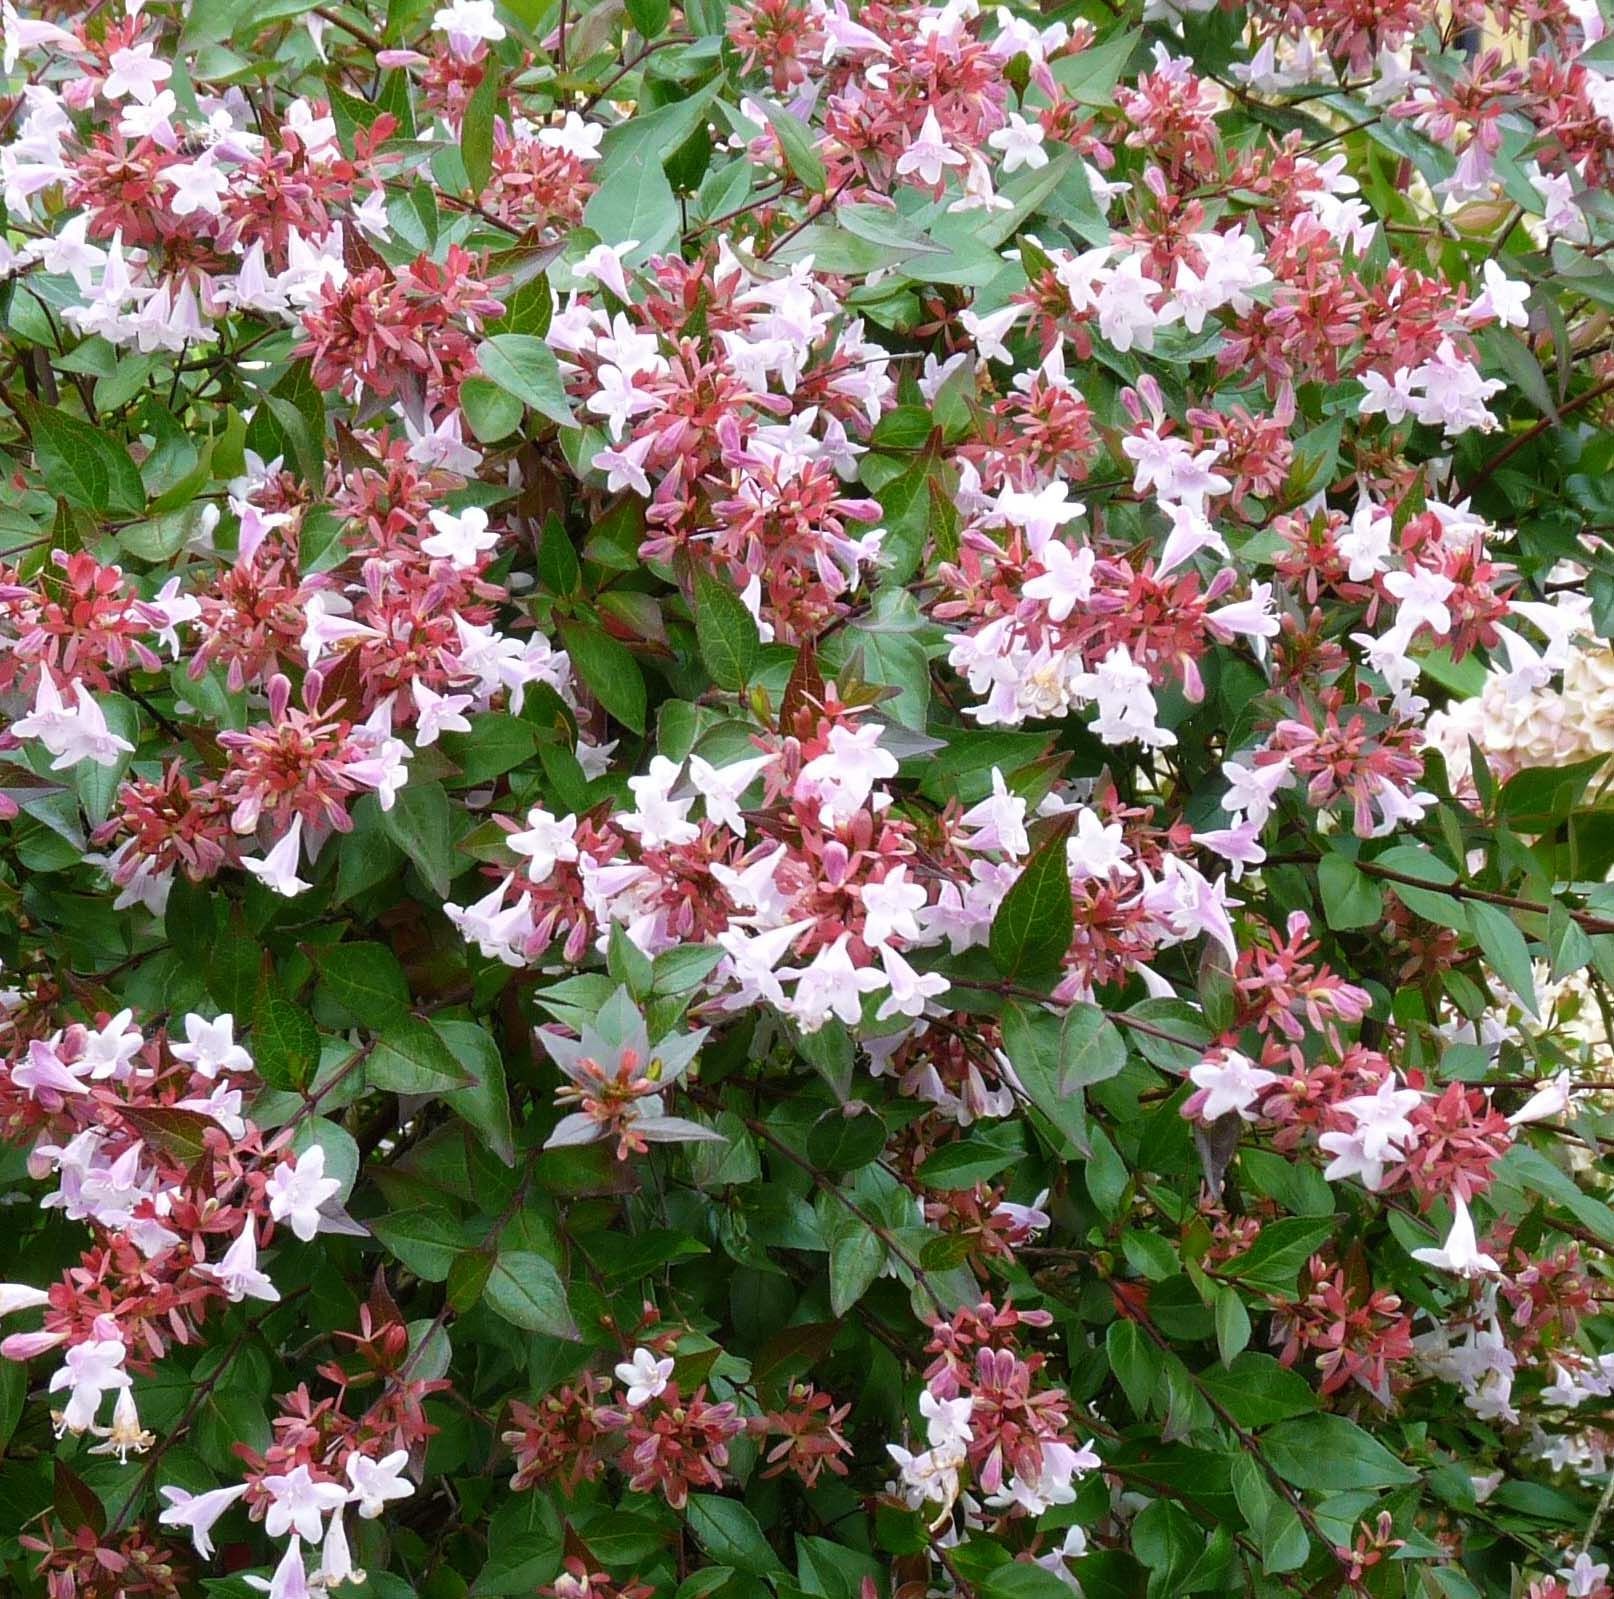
(806,793)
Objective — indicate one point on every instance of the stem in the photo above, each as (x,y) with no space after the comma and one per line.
(337,20)
(1530,435)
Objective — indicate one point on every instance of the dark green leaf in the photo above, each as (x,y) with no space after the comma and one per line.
(725,630)
(1033,926)
(82,463)
(526,1290)
(609,669)
(364,979)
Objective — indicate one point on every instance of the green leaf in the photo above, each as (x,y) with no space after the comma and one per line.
(1232,1324)
(617,1537)
(796,140)
(421,824)
(1280,1249)
(476,128)
(1505,949)
(525,367)
(364,979)
(1020,1579)
(1090,1048)
(13,1397)
(856,1258)
(559,570)
(635,201)
(965,1164)
(1167,1540)
(424,1239)
(496,744)
(1410,860)
(285,1042)
(649,16)
(526,1543)
(609,669)
(1090,75)
(725,631)
(1136,1363)
(1031,1039)
(493,413)
(527,1291)
(729,1533)
(485,1104)
(839,1142)
(1033,926)
(409,1058)
(1256,1391)
(1350,897)
(85,465)
(1332,1455)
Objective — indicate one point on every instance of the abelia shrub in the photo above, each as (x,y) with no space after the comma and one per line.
(806,799)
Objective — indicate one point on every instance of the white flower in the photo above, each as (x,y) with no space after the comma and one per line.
(198,186)
(297,1190)
(831,986)
(658,818)
(722,787)
(19,1296)
(644,1376)
(1094,850)
(1066,580)
(1583,1577)
(290,1580)
(79,734)
(1460,1253)
(889,907)
(468,23)
(751,961)
(1233,1084)
(1550,1100)
(109,1051)
(377,1481)
(89,1369)
(336,1558)
(126,1435)
(947,1421)
(910,989)
(1038,513)
(989,329)
(1021,144)
(1126,706)
(298,1503)
(210,1046)
(460,539)
(1502,298)
(325,623)
(604,264)
(237,1270)
(278,869)
(500,931)
(1421,596)
(845,774)
(198,1512)
(999,821)
(1366,546)
(576,138)
(436,714)
(545,841)
(624,468)
(929,154)
(135,70)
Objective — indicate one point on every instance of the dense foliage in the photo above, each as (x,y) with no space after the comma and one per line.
(806,799)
